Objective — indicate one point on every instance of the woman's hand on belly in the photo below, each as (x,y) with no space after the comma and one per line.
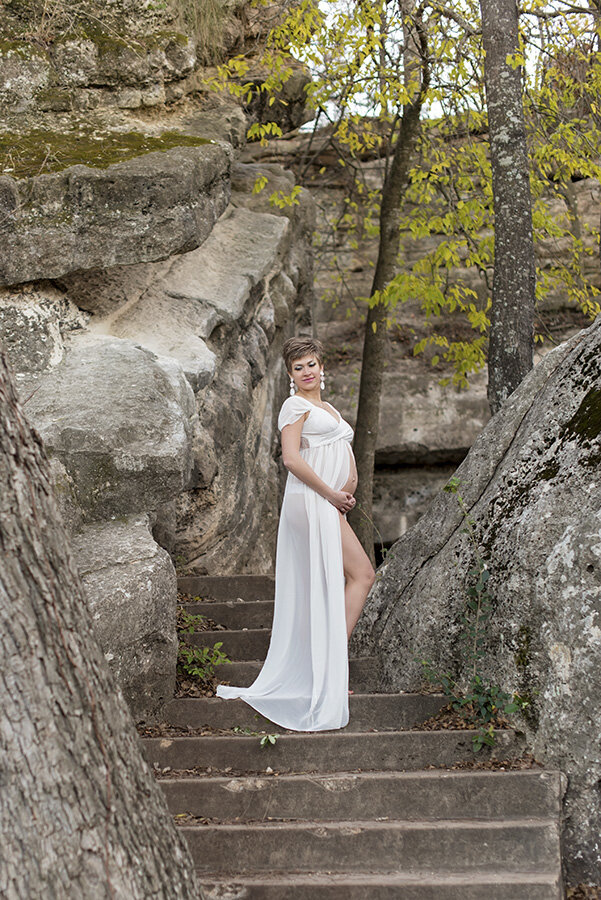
(342,500)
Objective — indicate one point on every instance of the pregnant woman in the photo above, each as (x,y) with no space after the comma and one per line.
(322,573)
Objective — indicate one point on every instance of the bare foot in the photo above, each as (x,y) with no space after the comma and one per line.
(351,692)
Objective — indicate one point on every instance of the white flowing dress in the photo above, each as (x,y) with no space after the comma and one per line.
(303,684)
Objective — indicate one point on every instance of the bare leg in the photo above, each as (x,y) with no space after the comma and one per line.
(358,572)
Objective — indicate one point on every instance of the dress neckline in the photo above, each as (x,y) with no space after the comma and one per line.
(338,421)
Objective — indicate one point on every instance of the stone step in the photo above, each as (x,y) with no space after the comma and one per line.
(434,794)
(323,752)
(228,587)
(426,885)
(368,712)
(235,613)
(251,644)
(448,846)
(363,673)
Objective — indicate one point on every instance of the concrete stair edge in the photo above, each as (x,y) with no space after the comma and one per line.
(466,845)
(400,796)
(382,886)
(228,587)
(325,751)
(377,712)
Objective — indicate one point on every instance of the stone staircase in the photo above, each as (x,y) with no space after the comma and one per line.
(372,812)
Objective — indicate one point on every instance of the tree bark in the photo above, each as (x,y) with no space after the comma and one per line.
(513,295)
(80,812)
(374,346)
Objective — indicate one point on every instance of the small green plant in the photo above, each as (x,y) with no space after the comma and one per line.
(200,662)
(267,740)
(197,662)
(180,562)
(482,703)
(189,622)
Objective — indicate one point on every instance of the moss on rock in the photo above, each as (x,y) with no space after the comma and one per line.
(24,49)
(585,424)
(163,38)
(55,99)
(42,151)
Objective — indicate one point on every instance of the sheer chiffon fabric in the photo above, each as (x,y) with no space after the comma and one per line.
(303,684)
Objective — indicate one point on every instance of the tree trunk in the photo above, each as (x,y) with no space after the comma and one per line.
(513,294)
(81,814)
(374,346)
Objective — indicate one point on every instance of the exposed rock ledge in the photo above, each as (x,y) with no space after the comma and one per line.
(146,208)
(532,483)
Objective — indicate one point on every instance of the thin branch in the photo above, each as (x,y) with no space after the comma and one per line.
(449,14)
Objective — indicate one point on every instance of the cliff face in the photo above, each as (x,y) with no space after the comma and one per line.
(531,486)
(93,61)
(146,293)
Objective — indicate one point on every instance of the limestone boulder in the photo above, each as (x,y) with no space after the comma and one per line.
(134,50)
(33,320)
(228,522)
(226,123)
(170,328)
(121,420)
(243,250)
(102,59)
(293,287)
(145,208)
(103,291)
(131,589)
(194,293)
(532,485)
(229,525)
(220,313)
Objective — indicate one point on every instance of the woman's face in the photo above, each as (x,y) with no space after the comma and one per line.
(305,372)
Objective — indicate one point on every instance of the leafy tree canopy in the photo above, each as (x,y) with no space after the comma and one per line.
(367,61)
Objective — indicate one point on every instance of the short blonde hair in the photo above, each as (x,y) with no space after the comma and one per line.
(297,347)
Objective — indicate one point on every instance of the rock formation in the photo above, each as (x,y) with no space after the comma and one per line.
(143,209)
(145,292)
(531,484)
(155,386)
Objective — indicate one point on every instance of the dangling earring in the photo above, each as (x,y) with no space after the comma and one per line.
(322,383)
(292,387)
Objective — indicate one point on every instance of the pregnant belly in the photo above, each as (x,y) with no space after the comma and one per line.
(352,481)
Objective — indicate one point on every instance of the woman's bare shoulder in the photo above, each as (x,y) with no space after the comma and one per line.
(293,408)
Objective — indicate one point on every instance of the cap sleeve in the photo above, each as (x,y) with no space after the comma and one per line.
(292,409)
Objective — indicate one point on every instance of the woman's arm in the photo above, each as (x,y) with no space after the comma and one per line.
(291,438)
